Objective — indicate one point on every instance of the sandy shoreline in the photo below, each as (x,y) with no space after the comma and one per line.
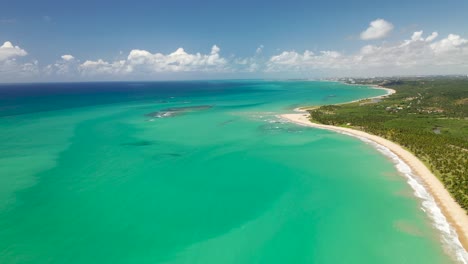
(455,214)
(389,92)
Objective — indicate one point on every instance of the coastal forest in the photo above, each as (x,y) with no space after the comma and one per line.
(428,116)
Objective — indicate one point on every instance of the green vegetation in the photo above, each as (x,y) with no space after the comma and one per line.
(428,116)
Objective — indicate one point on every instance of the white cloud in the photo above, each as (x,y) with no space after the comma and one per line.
(294,61)
(12,67)
(215,50)
(417,54)
(417,36)
(67,57)
(142,61)
(433,36)
(12,70)
(287,58)
(377,29)
(101,67)
(178,61)
(453,44)
(7,51)
(66,66)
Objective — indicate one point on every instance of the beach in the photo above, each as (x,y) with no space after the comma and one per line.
(455,214)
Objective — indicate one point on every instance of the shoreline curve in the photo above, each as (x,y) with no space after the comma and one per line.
(455,216)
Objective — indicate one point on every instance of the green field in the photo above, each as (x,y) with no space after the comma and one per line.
(428,116)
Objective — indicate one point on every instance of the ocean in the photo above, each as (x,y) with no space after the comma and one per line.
(198,172)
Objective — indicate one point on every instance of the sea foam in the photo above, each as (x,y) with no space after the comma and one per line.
(448,234)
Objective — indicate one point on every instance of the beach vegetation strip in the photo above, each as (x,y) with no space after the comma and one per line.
(427,116)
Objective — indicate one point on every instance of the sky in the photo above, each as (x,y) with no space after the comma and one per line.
(86,40)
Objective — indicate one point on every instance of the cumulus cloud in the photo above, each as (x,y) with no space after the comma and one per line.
(12,67)
(101,67)
(12,70)
(66,66)
(308,60)
(453,44)
(416,53)
(420,51)
(377,29)
(433,36)
(67,57)
(176,61)
(8,51)
(142,61)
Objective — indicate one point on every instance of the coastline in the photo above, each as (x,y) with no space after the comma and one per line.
(388,90)
(455,215)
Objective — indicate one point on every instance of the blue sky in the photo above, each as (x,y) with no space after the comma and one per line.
(110,30)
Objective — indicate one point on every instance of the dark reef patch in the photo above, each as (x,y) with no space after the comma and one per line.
(175,111)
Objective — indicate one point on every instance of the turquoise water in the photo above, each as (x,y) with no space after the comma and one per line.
(197,172)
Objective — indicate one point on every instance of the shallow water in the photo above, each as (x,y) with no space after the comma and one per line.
(98,173)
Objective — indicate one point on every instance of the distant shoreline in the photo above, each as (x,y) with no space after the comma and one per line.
(456,215)
(389,92)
